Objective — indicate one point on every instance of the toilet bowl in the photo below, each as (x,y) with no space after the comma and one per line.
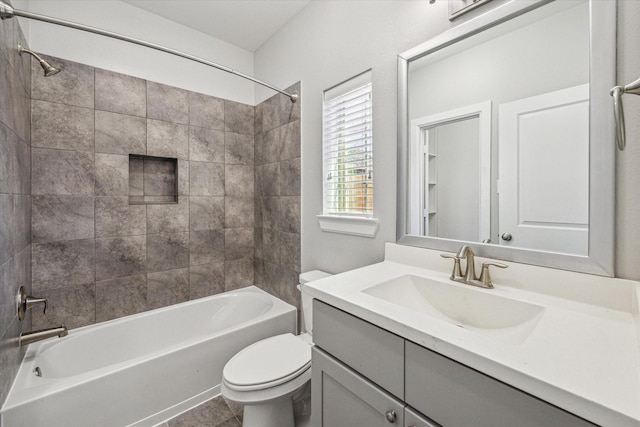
(269,375)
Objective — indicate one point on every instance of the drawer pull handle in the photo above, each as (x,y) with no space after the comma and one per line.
(391,416)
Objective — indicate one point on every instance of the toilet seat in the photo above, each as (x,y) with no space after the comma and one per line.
(267,363)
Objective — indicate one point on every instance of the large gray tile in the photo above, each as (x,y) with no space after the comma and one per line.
(14,101)
(167,287)
(120,133)
(206,145)
(112,175)
(239,181)
(239,149)
(73,306)
(206,213)
(271,212)
(61,126)
(120,297)
(23,169)
(258,118)
(206,247)
(238,118)
(238,243)
(258,149)
(166,139)
(258,242)
(271,146)
(271,246)
(290,141)
(62,172)
(238,273)
(206,279)
(73,86)
(167,251)
(206,111)
(279,110)
(8,159)
(290,214)
(120,257)
(56,218)
(15,163)
(120,93)
(168,218)
(60,264)
(167,103)
(21,234)
(116,217)
(270,183)
(7,227)
(273,276)
(290,250)
(206,179)
(289,177)
(239,212)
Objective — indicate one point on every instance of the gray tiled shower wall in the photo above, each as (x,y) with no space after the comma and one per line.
(96,256)
(15,196)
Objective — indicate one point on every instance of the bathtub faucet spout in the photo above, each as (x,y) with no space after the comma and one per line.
(31,337)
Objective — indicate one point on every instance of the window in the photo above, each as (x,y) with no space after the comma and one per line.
(347,139)
(347,144)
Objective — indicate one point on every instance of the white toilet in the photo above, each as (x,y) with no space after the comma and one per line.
(269,375)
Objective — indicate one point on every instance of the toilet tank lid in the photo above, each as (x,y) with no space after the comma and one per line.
(310,276)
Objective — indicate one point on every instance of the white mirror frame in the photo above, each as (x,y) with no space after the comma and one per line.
(602,73)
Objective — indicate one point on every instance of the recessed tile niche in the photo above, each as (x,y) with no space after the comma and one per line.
(152,180)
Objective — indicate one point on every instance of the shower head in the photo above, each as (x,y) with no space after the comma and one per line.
(49,70)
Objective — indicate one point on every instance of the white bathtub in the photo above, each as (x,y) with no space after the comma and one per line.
(143,369)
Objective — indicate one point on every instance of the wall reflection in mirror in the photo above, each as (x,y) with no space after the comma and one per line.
(499,134)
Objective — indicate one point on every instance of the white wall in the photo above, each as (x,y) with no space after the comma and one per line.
(330,41)
(138,61)
(326,43)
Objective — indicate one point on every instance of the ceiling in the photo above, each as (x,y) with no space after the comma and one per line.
(243,23)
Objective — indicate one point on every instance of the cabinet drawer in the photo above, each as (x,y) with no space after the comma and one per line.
(455,395)
(373,352)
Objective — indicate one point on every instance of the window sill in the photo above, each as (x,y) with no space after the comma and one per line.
(354,226)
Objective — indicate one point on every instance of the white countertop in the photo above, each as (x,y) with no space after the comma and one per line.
(582,355)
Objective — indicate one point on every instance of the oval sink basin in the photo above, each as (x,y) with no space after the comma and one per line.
(462,305)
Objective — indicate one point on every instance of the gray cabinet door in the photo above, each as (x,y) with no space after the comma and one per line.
(341,397)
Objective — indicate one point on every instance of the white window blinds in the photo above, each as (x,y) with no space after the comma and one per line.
(348,148)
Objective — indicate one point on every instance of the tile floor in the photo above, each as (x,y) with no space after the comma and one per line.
(214,413)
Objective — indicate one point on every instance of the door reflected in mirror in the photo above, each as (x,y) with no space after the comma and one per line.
(499,134)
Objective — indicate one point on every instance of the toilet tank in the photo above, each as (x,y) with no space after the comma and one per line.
(307,316)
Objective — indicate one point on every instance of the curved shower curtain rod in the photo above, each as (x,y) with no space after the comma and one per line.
(7,11)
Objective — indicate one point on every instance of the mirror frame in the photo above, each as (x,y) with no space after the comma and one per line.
(602,77)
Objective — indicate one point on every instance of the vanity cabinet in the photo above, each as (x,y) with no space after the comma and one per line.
(365,376)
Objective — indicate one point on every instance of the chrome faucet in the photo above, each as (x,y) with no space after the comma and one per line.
(469,277)
(42,334)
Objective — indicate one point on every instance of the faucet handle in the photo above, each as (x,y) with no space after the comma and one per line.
(26,302)
(457,270)
(485,277)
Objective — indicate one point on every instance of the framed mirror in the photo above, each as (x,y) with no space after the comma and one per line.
(506,136)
